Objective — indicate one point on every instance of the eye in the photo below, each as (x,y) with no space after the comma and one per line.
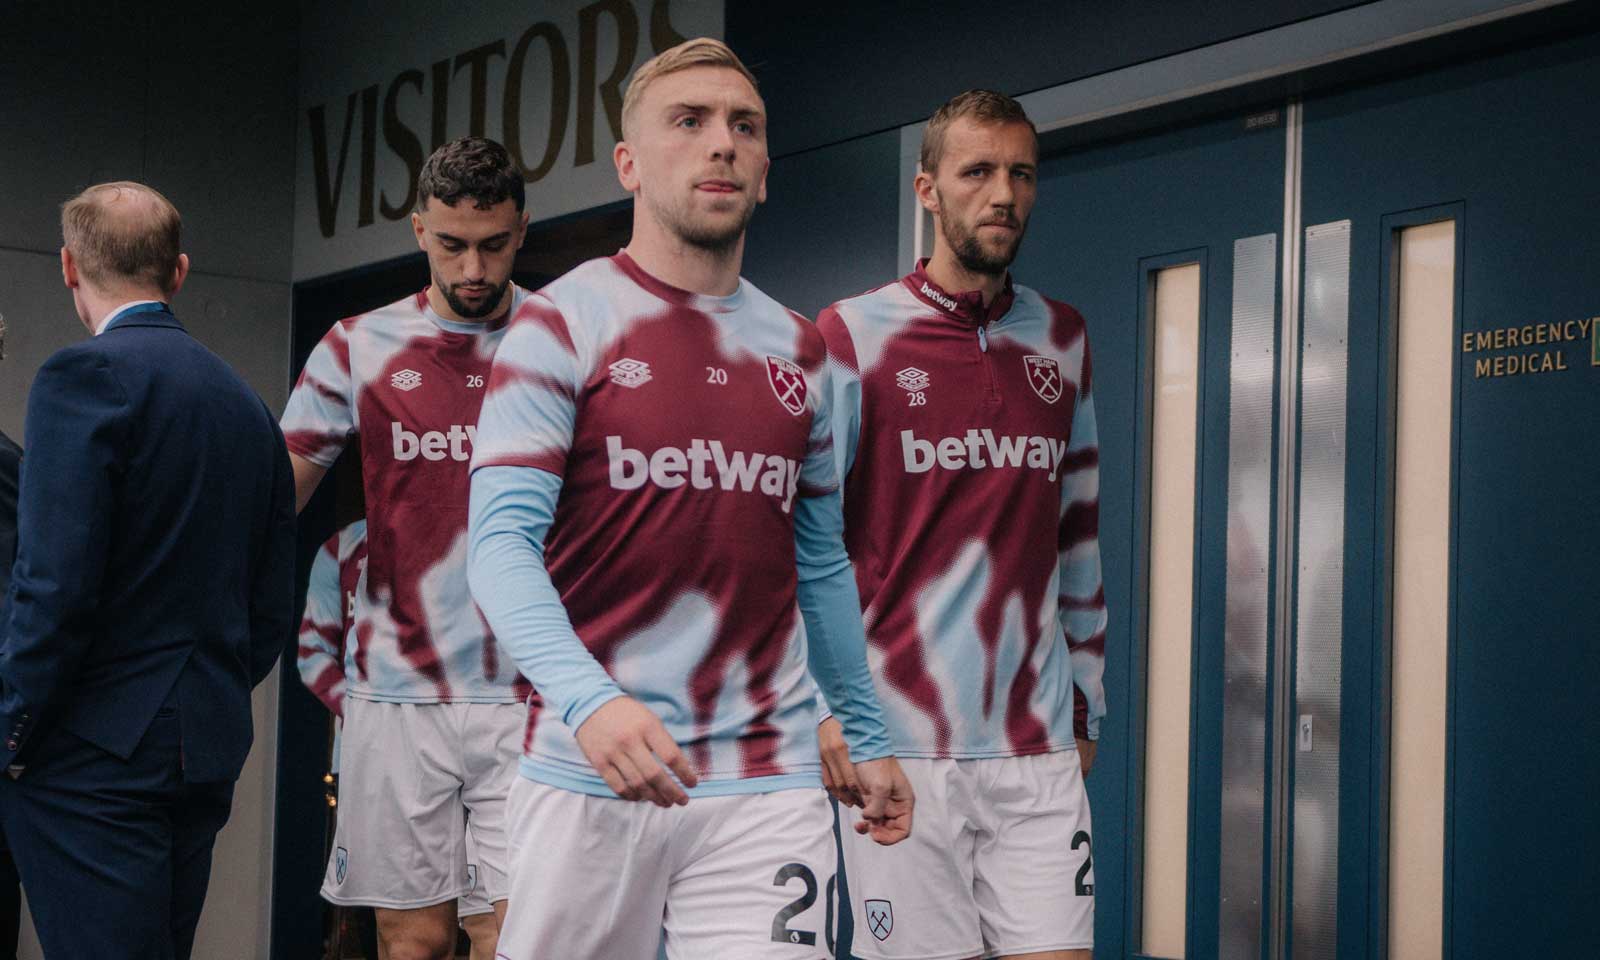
(453,246)
(494,246)
(689,122)
(745,127)
(1026,176)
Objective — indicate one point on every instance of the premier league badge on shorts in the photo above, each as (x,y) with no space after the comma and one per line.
(341,864)
(1044,376)
(788,383)
(880,918)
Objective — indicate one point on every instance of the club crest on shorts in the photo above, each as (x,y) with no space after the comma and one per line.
(1044,376)
(341,864)
(880,918)
(472,877)
(788,383)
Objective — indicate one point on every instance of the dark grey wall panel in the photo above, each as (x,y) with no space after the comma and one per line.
(196,99)
(830,225)
(832,70)
(71,111)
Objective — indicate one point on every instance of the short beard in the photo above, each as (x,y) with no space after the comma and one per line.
(491,303)
(718,241)
(970,252)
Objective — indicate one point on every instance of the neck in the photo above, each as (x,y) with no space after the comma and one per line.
(98,304)
(947,272)
(670,259)
(441,306)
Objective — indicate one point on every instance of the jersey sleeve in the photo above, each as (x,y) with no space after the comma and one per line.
(511,512)
(319,654)
(531,405)
(320,417)
(819,475)
(844,380)
(836,640)
(1082,592)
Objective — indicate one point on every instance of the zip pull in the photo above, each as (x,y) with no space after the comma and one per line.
(983,340)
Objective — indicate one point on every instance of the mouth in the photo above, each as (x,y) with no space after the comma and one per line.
(469,291)
(717,186)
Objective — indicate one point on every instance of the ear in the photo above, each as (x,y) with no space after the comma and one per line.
(69,270)
(180,273)
(627,166)
(761,194)
(522,230)
(420,230)
(927,193)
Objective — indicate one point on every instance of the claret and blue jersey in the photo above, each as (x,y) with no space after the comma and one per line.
(966,437)
(408,383)
(671,445)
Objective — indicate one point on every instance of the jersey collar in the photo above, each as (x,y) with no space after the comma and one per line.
(966,307)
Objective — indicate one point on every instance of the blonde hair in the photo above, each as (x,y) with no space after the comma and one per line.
(984,106)
(116,245)
(699,52)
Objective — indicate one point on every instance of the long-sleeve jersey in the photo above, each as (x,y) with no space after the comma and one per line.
(408,384)
(325,657)
(966,438)
(673,445)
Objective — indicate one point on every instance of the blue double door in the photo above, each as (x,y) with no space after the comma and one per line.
(1294,213)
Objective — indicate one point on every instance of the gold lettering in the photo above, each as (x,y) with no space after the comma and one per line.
(1584,326)
(1561,360)
(1500,339)
(1566,329)
(1499,366)
(1466,343)
(1480,368)
(1514,337)
(1485,340)
(1541,333)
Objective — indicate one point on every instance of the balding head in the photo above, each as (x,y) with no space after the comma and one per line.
(123,238)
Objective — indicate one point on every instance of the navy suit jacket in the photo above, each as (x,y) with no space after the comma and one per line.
(10,471)
(155,555)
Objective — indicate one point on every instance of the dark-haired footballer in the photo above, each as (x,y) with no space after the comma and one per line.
(433,710)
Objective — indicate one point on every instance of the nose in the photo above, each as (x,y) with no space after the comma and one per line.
(721,143)
(472,265)
(1004,193)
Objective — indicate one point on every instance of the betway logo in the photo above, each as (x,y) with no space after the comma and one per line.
(981,449)
(704,465)
(434,444)
(937,297)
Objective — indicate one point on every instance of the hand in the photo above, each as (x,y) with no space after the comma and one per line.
(886,800)
(1086,750)
(838,773)
(627,745)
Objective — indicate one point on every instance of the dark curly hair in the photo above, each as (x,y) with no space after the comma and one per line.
(473,167)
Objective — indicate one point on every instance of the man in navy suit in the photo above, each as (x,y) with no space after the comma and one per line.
(153,588)
(10,470)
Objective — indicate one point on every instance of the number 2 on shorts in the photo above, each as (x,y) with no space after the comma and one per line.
(780,923)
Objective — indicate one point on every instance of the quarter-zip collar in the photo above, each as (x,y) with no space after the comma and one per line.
(966,307)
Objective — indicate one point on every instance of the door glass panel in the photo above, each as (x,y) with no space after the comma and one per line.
(1174,410)
(1423,396)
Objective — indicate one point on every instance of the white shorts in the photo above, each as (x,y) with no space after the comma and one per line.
(998,863)
(741,876)
(415,780)
(474,901)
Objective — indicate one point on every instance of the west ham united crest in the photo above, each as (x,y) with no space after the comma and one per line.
(341,864)
(880,918)
(1044,376)
(788,383)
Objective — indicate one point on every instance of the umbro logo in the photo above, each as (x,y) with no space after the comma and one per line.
(630,373)
(406,380)
(912,380)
